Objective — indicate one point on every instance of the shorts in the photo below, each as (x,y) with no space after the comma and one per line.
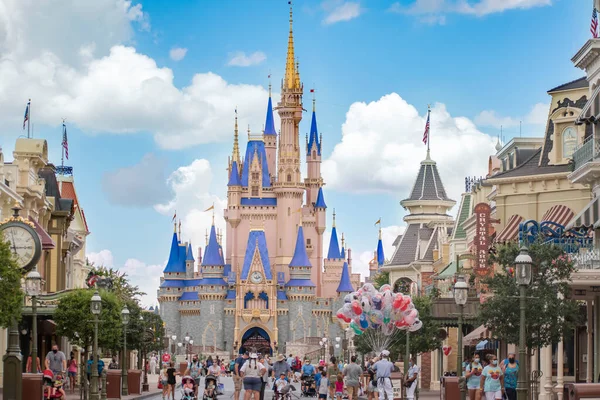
(237,383)
(251,383)
(322,395)
(339,394)
(72,373)
(497,395)
(197,381)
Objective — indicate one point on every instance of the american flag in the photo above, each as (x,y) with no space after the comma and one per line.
(426,133)
(594,24)
(65,142)
(26,118)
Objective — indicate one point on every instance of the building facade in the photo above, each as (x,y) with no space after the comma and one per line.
(273,283)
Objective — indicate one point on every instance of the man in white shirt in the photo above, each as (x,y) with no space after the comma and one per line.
(383,369)
(411,378)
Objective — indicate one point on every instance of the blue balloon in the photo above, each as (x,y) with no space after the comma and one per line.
(363,321)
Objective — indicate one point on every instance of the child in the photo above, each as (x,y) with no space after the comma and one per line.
(339,387)
(318,378)
(280,384)
(323,386)
(57,386)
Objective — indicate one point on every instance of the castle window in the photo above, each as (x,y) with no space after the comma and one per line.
(254,191)
(279,242)
(569,141)
(314,154)
(308,242)
(289,177)
(255,176)
(289,211)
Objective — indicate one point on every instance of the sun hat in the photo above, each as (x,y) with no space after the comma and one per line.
(253,355)
(280,357)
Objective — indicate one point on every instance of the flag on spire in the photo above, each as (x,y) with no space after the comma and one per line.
(594,23)
(65,141)
(26,114)
(210,208)
(426,133)
(174,217)
(378,221)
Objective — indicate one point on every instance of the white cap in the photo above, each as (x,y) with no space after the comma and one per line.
(385,353)
(253,355)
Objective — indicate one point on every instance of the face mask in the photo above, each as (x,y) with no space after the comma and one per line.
(410,364)
(511,360)
(476,361)
(495,362)
(54,351)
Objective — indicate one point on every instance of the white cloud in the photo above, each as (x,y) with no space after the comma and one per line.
(538,115)
(85,71)
(436,8)
(191,187)
(177,53)
(102,258)
(382,147)
(240,59)
(338,11)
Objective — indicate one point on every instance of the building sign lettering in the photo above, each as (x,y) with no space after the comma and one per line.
(482,240)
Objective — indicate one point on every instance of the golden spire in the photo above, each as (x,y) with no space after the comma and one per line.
(343,240)
(179,229)
(236,143)
(333,218)
(269,83)
(206,237)
(291,75)
(313,91)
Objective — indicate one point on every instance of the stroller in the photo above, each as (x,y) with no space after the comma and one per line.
(308,386)
(187,388)
(53,387)
(210,388)
(285,393)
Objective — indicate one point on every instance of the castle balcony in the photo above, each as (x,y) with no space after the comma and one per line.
(586,159)
(261,314)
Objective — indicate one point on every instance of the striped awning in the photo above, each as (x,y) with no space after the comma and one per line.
(587,112)
(559,214)
(511,229)
(589,216)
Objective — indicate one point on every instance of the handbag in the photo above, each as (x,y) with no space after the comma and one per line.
(160,385)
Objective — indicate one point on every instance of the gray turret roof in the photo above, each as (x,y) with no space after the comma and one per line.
(428,185)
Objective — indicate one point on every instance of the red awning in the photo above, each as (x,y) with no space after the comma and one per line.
(47,242)
(511,229)
(559,214)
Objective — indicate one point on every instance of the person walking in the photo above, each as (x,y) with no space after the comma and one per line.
(323,386)
(56,361)
(153,362)
(473,376)
(372,392)
(72,372)
(383,368)
(237,376)
(264,378)
(352,372)
(194,368)
(511,374)
(252,372)
(332,372)
(171,379)
(492,380)
(280,367)
(29,362)
(412,378)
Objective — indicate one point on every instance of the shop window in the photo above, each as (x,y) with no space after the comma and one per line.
(569,142)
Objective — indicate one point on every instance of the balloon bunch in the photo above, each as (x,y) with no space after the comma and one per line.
(384,310)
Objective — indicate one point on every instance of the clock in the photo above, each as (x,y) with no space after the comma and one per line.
(24,242)
(256,277)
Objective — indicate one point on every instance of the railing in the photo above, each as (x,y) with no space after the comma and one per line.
(586,152)
(587,259)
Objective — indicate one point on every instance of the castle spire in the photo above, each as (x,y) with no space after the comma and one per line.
(345,285)
(334,246)
(211,254)
(291,74)
(313,141)
(236,144)
(270,122)
(380,256)
(174,264)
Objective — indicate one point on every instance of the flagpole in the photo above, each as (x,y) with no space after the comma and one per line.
(29,119)
(428,133)
(62,156)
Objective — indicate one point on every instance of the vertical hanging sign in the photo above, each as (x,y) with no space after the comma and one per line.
(482,240)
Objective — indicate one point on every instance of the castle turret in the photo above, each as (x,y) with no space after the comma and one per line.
(313,181)
(189,262)
(270,138)
(343,251)
(334,246)
(380,255)
(345,285)
(300,266)
(175,265)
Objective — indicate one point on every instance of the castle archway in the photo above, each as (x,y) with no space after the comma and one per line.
(256,339)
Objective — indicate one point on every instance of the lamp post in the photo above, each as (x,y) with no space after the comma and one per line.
(337,345)
(174,338)
(180,345)
(187,339)
(523,276)
(461,291)
(33,286)
(125,321)
(95,308)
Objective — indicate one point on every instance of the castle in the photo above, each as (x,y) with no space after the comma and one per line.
(271,284)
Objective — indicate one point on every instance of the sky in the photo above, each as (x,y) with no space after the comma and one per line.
(149,88)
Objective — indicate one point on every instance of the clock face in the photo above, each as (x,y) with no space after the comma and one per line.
(22,244)
(256,277)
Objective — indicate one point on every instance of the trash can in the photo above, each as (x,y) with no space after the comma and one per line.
(33,386)
(449,389)
(576,391)
(113,383)
(397,378)
(183,367)
(134,381)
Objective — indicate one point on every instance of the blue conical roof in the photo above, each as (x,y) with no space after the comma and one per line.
(334,246)
(343,253)
(212,255)
(300,258)
(380,256)
(270,123)
(345,284)
(234,177)
(174,264)
(190,253)
(314,136)
(320,199)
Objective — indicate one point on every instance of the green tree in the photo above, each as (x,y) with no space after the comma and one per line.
(75,321)
(11,295)
(551,313)
(382,278)
(122,288)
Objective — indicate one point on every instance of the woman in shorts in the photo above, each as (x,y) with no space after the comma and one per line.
(252,372)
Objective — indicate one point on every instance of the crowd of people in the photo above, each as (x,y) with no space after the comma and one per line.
(491,380)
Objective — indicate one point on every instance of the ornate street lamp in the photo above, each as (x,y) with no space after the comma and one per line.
(95,308)
(33,286)
(523,276)
(461,291)
(337,345)
(173,343)
(125,321)
(180,345)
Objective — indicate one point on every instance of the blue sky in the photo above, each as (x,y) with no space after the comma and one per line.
(150,131)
